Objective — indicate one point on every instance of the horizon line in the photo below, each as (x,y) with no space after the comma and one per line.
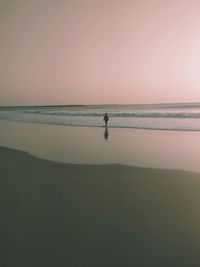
(82,105)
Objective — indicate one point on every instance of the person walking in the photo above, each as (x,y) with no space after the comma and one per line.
(106,119)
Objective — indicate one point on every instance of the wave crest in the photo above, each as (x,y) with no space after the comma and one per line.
(179,115)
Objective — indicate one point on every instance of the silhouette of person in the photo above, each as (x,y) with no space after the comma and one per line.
(106,134)
(106,119)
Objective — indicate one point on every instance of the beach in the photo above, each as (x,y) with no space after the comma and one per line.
(100,133)
(89,214)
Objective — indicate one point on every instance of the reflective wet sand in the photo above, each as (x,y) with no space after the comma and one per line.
(157,149)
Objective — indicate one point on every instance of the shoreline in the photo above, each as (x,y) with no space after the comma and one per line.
(56,214)
(102,126)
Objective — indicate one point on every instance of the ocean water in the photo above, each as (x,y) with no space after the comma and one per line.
(178,117)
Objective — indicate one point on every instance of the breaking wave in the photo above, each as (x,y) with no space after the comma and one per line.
(179,115)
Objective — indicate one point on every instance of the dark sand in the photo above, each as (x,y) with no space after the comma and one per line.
(55,214)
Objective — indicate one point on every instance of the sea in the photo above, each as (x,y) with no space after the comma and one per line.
(172,117)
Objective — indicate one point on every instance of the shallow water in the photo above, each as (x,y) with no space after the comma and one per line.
(179,117)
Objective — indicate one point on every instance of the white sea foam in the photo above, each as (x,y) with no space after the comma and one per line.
(119,114)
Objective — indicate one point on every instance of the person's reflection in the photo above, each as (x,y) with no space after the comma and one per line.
(106,134)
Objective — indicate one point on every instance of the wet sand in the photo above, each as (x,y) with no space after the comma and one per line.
(87,145)
(55,214)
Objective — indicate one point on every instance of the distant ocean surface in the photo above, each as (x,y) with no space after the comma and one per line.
(179,117)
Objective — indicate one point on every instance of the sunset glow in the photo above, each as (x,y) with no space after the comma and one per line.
(92,51)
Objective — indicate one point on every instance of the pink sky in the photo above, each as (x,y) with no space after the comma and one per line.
(99,51)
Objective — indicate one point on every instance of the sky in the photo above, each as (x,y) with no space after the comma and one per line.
(99,51)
